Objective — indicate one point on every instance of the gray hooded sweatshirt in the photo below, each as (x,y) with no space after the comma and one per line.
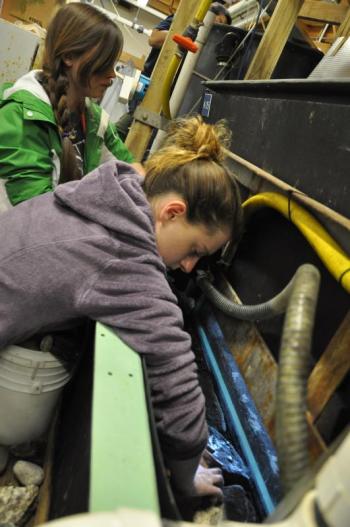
(89,250)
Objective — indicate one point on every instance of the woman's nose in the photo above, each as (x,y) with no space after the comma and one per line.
(187,264)
(111,73)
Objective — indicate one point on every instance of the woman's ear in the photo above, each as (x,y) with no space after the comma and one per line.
(173,209)
(68,60)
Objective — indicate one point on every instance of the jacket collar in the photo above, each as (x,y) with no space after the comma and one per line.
(28,82)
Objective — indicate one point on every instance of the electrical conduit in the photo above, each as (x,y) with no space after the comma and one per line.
(177,57)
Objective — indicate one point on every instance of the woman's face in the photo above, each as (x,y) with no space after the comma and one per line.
(98,83)
(181,244)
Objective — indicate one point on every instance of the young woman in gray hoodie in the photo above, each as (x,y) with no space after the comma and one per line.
(99,248)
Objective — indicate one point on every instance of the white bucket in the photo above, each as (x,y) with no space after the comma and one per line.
(30,384)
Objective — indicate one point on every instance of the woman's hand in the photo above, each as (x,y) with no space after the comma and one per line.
(191,477)
(207,482)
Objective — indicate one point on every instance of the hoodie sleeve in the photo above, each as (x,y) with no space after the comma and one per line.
(134,298)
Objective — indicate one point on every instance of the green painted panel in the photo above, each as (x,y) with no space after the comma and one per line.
(122,468)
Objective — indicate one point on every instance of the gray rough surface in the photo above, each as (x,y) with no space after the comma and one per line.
(4,455)
(28,473)
(15,503)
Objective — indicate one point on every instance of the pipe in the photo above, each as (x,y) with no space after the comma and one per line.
(331,254)
(169,76)
(273,307)
(243,419)
(176,59)
(115,17)
(202,10)
(184,77)
(294,359)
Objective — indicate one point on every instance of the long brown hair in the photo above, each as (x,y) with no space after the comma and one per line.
(76,29)
(190,163)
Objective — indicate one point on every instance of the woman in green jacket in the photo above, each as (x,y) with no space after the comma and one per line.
(48,118)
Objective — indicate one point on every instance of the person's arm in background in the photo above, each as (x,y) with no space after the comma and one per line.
(160,32)
(157,38)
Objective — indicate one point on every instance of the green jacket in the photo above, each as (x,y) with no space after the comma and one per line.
(30,146)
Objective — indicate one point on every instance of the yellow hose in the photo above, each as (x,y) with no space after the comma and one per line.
(169,76)
(332,255)
(202,10)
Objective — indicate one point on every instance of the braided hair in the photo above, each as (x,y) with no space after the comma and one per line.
(77,30)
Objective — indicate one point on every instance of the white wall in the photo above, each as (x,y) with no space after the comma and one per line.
(134,43)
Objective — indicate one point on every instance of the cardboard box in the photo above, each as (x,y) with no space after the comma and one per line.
(30,11)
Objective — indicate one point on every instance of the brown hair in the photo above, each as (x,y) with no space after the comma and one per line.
(76,29)
(190,163)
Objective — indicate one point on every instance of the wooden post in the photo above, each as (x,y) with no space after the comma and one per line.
(140,134)
(344,29)
(330,370)
(274,39)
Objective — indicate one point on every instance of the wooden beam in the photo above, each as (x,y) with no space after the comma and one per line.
(274,39)
(330,370)
(344,29)
(164,6)
(249,168)
(304,30)
(140,134)
(323,11)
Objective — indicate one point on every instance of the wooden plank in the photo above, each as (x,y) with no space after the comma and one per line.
(44,500)
(140,134)
(330,370)
(274,39)
(344,29)
(303,28)
(253,357)
(249,168)
(167,7)
(323,11)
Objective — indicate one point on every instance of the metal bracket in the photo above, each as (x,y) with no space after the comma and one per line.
(151,118)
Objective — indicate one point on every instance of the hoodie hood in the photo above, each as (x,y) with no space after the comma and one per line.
(28,82)
(29,92)
(112,196)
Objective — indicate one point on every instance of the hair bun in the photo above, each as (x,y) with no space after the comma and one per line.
(194,136)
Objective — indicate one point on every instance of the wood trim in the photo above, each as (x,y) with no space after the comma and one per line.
(330,370)
(274,39)
(323,12)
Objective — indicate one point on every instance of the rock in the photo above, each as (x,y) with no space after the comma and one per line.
(28,473)
(237,505)
(4,456)
(15,502)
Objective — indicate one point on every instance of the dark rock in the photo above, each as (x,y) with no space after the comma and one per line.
(237,505)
